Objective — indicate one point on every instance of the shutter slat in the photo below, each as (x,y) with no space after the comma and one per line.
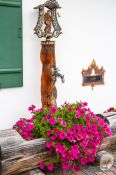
(10,3)
(13,70)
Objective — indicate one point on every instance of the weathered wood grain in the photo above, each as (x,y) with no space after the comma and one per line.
(109,144)
(19,155)
(111,117)
(48,88)
(32,172)
(10,138)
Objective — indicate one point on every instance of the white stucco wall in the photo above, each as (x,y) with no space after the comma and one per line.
(89,31)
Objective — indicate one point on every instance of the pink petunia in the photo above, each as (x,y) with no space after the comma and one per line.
(53,109)
(91,159)
(53,137)
(52,121)
(63,124)
(65,165)
(48,144)
(62,135)
(83,161)
(60,120)
(31,119)
(77,115)
(41,165)
(88,118)
(69,109)
(46,118)
(80,111)
(51,167)
(84,103)
(29,127)
(49,132)
(31,108)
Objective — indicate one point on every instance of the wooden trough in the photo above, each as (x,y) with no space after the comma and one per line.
(18,156)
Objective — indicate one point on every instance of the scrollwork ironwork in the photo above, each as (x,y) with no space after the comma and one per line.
(48,20)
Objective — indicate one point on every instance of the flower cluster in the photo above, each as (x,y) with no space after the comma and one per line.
(72,132)
(25,127)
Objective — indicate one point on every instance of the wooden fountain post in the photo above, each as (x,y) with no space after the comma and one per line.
(48,27)
(48,89)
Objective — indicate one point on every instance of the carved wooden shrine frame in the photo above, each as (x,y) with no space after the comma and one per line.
(90,79)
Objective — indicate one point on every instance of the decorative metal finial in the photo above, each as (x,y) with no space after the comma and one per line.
(47,24)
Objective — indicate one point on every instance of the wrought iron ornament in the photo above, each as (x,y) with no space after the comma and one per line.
(47,24)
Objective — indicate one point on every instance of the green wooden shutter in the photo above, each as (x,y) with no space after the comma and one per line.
(11,67)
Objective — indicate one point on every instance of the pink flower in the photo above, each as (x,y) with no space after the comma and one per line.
(101,121)
(91,159)
(63,124)
(74,150)
(39,110)
(48,144)
(25,134)
(41,165)
(31,108)
(88,118)
(69,109)
(83,161)
(62,135)
(79,136)
(70,138)
(53,137)
(60,120)
(78,127)
(77,169)
(51,167)
(49,132)
(84,103)
(53,109)
(77,115)
(101,136)
(31,119)
(20,123)
(29,127)
(88,109)
(93,151)
(80,111)
(89,128)
(65,165)
(52,121)
(60,149)
(46,118)
(83,144)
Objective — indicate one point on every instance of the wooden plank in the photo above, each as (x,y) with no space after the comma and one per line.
(18,155)
(110,144)
(10,138)
(33,172)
